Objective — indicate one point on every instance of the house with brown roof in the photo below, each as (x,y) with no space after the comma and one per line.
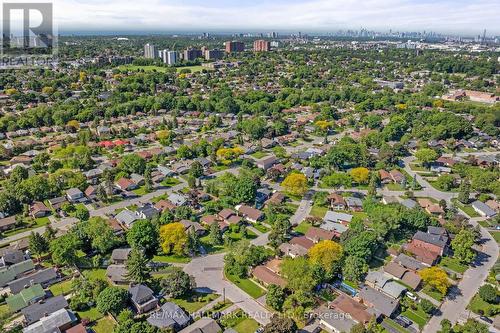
(38,209)
(229,216)
(337,202)
(7,223)
(348,305)
(164,205)
(385,177)
(317,234)
(125,184)
(208,220)
(249,213)
(276,199)
(407,276)
(397,176)
(269,273)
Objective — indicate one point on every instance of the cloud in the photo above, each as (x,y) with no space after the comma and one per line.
(306,15)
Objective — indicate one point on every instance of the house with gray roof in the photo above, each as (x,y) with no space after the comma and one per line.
(409,262)
(126,217)
(170,315)
(44,277)
(36,311)
(354,204)
(377,300)
(337,217)
(10,273)
(483,209)
(409,203)
(56,322)
(142,298)
(379,281)
(203,325)
(120,256)
(177,199)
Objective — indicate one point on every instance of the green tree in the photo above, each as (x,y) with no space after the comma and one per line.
(354,268)
(144,235)
(427,306)
(464,192)
(215,234)
(132,163)
(298,273)
(426,156)
(112,300)
(275,297)
(462,246)
(280,324)
(488,293)
(102,237)
(38,245)
(82,213)
(196,169)
(65,249)
(176,283)
(138,270)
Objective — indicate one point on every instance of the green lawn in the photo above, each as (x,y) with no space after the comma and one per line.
(496,235)
(104,325)
(246,325)
(418,316)
(247,285)
(477,305)
(39,222)
(303,227)
(141,190)
(92,314)
(145,68)
(467,209)
(318,211)
(4,311)
(193,69)
(170,181)
(171,259)
(432,293)
(394,187)
(259,154)
(394,325)
(262,228)
(96,273)
(453,264)
(61,288)
(194,302)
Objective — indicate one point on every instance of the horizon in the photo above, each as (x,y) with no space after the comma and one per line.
(308,16)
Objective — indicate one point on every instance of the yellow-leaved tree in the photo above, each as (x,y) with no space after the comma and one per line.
(436,278)
(327,254)
(295,184)
(360,175)
(173,238)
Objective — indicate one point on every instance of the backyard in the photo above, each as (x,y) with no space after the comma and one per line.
(247,285)
(194,302)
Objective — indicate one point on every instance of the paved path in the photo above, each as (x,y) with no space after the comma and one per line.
(303,210)
(208,273)
(454,307)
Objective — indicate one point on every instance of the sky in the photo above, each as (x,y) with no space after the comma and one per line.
(445,16)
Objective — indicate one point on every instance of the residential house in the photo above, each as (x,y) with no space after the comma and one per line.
(170,316)
(409,203)
(356,311)
(397,176)
(381,303)
(142,298)
(407,276)
(203,325)
(137,179)
(117,274)
(164,205)
(10,257)
(38,209)
(337,201)
(56,203)
(276,199)
(385,177)
(74,195)
(378,281)
(249,213)
(408,262)
(269,273)
(333,320)
(318,234)
(483,209)
(91,192)
(229,216)
(177,199)
(8,223)
(25,297)
(292,250)
(15,271)
(58,321)
(354,204)
(433,242)
(125,184)
(337,217)
(37,311)
(193,226)
(120,256)
(44,277)
(147,211)
(126,218)
(266,162)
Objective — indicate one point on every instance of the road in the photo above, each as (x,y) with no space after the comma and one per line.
(208,273)
(303,210)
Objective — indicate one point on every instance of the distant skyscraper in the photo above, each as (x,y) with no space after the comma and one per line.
(261,45)
(234,46)
(169,57)
(150,51)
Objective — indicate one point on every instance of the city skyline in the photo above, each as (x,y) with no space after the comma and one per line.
(316,16)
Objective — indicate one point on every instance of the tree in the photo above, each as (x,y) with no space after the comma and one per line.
(143,235)
(445,182)
(275,297)
(280,324)
(295,184)
(176,283)
(360,175)
(298,273)
(354,268)
(462,246)
(215,235)
(196,169)
(38,245)
(82,213)
(64,249)
(279,230)
(436,278)
(426,156)
(427,306)
(327,254)
(132,163)
(112,300)
(488,293)
(138,270)
(102,237)
(148,181)
(173,238)
(464,191)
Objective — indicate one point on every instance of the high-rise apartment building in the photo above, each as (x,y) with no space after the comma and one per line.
(235,46)
(261,45)
(169,57)
(192,54)
(214,54)
(150,51)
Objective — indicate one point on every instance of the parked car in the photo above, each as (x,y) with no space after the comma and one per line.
(403,321)
(411,296)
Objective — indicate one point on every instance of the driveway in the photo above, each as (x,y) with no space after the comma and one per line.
(208,273)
